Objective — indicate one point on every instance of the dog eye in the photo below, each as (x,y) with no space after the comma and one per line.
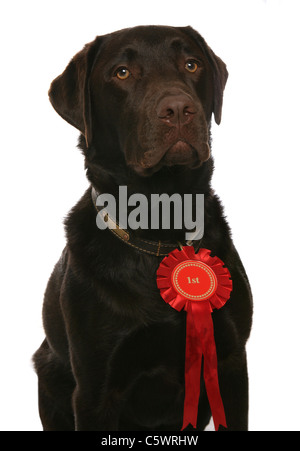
(122,73)
(191,66)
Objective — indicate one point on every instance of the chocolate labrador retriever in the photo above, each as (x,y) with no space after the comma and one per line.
(114,354)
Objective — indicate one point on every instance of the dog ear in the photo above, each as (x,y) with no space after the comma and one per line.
(220,72)
(220,79)
(69,93)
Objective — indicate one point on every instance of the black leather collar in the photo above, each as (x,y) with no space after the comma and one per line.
(157,248)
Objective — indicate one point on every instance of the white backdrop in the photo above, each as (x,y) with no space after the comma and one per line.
(256,150)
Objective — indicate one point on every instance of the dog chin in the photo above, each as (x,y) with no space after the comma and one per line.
(173,159)
(181,153)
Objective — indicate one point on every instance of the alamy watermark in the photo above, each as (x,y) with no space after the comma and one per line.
(161,210)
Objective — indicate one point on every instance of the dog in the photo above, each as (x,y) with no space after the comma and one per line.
(113,358)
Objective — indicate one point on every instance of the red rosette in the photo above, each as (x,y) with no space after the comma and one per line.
(177,300)
(197,283)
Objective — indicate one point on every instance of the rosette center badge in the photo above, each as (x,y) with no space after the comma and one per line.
(194,280)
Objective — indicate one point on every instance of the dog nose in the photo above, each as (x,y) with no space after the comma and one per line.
(176,110)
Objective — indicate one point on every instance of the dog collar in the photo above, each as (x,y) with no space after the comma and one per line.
(157,248)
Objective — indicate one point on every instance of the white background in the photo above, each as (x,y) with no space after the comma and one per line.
(256,150)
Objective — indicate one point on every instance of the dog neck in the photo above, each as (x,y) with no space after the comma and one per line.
(158,248)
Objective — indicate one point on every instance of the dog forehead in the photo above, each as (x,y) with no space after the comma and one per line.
(149,41)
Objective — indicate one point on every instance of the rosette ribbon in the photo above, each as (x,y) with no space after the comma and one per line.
(197,283)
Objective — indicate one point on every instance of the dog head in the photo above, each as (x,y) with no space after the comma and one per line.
(143,97)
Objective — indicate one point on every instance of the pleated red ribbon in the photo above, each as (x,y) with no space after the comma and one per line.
(197,283)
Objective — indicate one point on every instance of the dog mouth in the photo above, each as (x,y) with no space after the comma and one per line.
(181,153)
